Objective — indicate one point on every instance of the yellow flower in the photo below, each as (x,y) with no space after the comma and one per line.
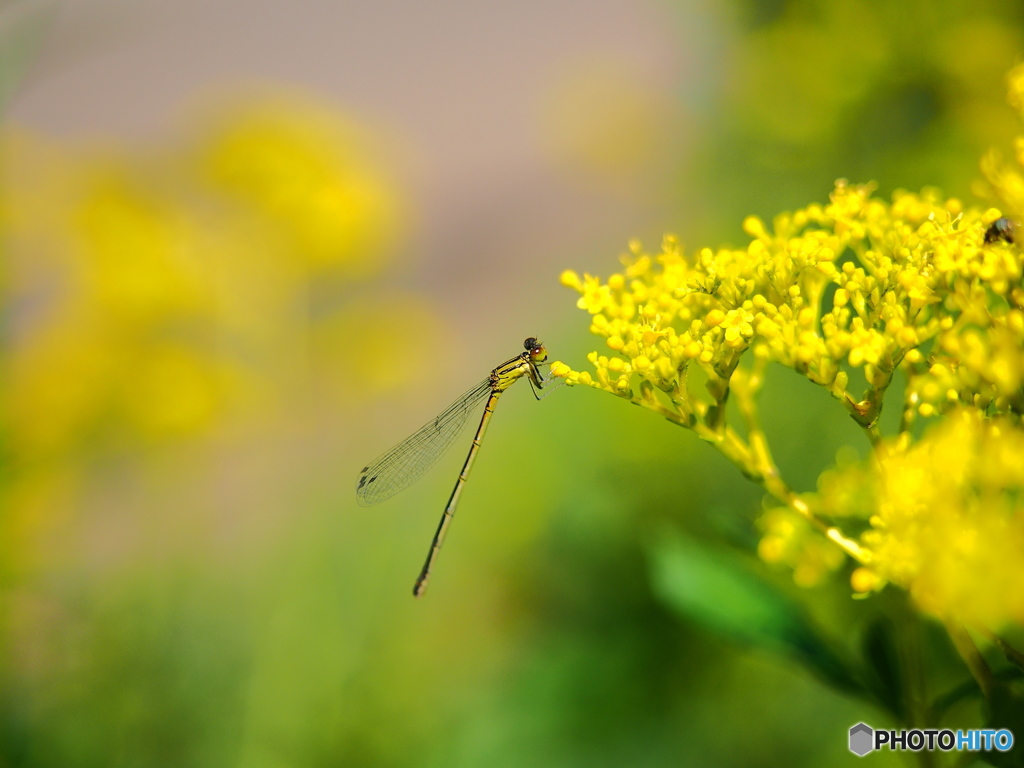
(918,285)
(948,522)
(303,168)
(908,266)
(789,540)
(160,298)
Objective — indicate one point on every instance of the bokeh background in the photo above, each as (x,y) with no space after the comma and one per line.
(248,246)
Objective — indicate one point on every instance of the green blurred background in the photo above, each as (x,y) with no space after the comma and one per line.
(249,246)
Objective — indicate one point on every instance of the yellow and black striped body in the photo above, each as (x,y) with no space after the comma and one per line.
(501,378)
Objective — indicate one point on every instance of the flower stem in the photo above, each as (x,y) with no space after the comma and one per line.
(972,658)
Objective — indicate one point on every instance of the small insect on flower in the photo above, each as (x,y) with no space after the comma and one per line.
(1000,229)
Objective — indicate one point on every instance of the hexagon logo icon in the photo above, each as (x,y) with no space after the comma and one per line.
(862,739)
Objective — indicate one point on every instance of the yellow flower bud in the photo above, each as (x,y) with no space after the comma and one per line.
(864,580)
(570,279)
(714,318)
(754,227)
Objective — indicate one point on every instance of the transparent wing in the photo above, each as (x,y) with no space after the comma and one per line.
(404,464)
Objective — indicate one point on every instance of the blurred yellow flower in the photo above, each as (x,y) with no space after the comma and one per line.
(788,539)
(304,168)
(947,518)
(160,297)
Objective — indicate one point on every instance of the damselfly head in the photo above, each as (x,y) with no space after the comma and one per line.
(537,352)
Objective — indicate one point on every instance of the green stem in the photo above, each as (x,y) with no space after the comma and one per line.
(753,459)
(972,658)
(1012,654)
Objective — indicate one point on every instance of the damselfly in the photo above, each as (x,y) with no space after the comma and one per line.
(407,461)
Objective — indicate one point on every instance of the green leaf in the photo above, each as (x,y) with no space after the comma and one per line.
(715,590)
(1006,710)
(885,680)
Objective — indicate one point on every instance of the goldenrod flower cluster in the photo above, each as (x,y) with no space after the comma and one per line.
(857,283)
(949,518)
(857,290)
